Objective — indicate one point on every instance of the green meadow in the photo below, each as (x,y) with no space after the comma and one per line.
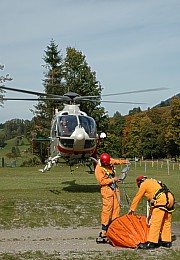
(29,198)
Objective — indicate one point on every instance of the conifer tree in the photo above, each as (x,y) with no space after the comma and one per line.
(53,73)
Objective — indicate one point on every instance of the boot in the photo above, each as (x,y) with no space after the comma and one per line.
(166,244)
(102,234)
(147,245)
(151,245)
(102,238)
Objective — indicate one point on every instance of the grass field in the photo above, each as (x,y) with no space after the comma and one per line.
(29,198)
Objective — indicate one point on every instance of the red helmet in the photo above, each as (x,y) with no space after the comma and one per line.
(105,158)
(140,179)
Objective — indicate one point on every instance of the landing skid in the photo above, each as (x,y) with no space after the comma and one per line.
(54,160)
(50,162)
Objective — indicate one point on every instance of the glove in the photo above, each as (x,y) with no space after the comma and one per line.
(116,179)
(131,212)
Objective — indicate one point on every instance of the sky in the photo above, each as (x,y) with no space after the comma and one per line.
(130,44)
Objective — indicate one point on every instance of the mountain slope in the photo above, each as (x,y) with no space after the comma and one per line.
(166,102)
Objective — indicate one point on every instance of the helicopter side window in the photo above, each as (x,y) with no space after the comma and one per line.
(67,125)
(92,127)
(53,129)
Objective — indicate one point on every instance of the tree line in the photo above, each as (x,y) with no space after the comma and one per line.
(150,134)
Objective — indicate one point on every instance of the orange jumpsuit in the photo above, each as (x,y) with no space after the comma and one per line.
(110,197)
(161,220)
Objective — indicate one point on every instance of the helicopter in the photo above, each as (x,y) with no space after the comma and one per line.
(73,133)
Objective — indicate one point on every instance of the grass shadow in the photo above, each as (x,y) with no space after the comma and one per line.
(74,187)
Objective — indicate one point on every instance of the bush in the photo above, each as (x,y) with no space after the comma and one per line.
(31,162)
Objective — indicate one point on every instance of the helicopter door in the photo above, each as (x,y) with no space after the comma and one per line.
(54,140)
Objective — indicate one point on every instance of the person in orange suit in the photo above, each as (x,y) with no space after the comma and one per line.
(162,205)
(105,175)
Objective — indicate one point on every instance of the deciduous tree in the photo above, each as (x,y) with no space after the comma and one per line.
(173,128)
(81,79)
(3,79)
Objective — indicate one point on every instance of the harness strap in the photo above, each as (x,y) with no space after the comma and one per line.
(158,193)
(110,175)
(164,207)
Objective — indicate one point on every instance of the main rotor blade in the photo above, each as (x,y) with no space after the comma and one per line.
(31,99)
(58,99)
(24,91)
(114,102)
(85,97)
(135,91)
(65,98)
(122,102)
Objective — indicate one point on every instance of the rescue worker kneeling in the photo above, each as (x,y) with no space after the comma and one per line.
(162,205)
(105,175)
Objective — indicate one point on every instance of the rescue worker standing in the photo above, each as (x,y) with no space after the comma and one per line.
(105,175)
(162,206)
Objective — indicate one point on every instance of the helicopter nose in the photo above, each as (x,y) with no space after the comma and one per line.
(80,136)
(79,140)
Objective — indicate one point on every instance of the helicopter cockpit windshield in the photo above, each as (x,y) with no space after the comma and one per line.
(67,125)
(89,125)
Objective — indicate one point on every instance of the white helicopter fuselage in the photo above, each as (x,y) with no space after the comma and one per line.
(73,133)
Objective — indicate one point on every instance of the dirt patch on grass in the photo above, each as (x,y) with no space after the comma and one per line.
(64,241)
